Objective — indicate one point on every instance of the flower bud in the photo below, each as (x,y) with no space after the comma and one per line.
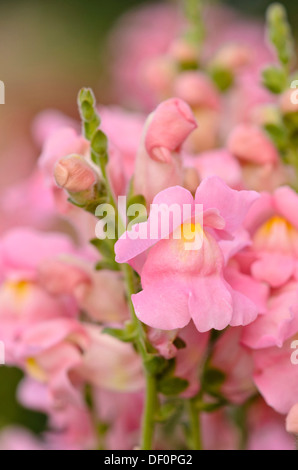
(232,56)
(158,162)
(249,143)
(184,51)
(74,174)
(197,90)
(170,125)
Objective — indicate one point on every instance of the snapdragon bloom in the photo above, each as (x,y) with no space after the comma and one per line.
(159,162)
(272,223)
(180,284)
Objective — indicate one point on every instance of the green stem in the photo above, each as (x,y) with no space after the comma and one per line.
(151,398)
(149,413)
(130,290)
(194,422)
(148,420)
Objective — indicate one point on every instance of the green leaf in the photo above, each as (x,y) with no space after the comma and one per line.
(274,79)
(291,123)
(210,407)
(166,411)
(155,364)
(172,385)
(126,335)
(136,199)
(222,77)
(105,247)
(109,264)
(212,380)
(138,213)
(278,134)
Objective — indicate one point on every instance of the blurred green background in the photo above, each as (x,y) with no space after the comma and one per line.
(48,50)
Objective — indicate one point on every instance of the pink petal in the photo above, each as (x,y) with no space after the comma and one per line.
(172,122)
(210,303)
(286,204)
(232,205)
(127,249)
(163,305)
(274,268)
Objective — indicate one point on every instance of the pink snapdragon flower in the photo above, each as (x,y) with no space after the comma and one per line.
(235,361)
(109,364)
(279,321)
(266,429)
(273,226)
(23,300)
(18,438)
(122,411)
(250,144)
(218,162)
(70,426)
(48,350)
(276,377)
(74,276)
(180,284)
(158,162)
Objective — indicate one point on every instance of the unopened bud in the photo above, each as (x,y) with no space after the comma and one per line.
(170,125)
(232,56)
(184,51)
(197,90)
(251,144)
(74,174)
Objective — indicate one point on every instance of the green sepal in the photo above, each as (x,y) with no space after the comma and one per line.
(212,380)
(155,364)
(274,79)
(278,134)
(127,334)
(222,77)
(170,386)
(109,264)
(105,247)
(165,412)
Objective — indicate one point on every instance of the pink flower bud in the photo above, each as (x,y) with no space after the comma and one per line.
(58,276)
(249,143)
(74,174)
(197,90)
(184,51)
(292,420)
(232,56)
(158,162)
(170,125)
